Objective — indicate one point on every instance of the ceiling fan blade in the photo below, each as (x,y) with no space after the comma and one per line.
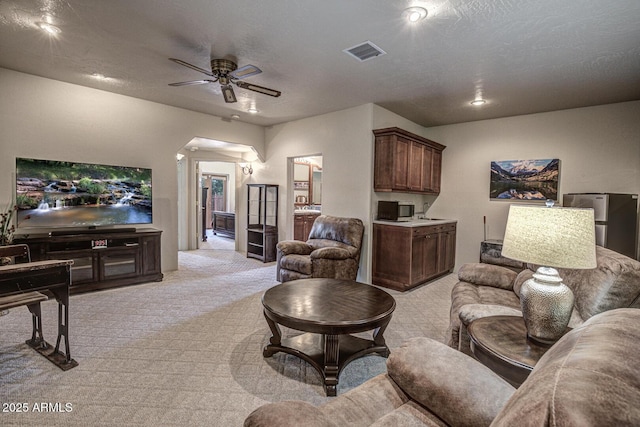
(259,89)
(246,71)
(192,82)
(227,92)
(193,67)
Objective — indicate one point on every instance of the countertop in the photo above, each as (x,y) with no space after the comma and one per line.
(417,222)
(306,212)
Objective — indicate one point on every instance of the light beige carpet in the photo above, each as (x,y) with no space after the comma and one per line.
(185,351)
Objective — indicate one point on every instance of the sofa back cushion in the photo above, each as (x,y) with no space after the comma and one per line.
(614,283)
(587,378)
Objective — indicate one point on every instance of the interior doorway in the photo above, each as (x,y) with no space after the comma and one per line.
(216,216)
(214,198)
(305,190)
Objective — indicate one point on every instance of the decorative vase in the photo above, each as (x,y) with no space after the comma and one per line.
(546,304)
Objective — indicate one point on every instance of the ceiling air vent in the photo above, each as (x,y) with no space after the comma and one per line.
(364,51)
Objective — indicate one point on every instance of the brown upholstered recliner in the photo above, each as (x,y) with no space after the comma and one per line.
(490,290)
(587,378)
(332,251)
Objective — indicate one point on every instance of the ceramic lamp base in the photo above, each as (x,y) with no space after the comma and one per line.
(546,304)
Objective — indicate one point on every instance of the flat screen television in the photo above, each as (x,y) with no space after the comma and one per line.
(54,194)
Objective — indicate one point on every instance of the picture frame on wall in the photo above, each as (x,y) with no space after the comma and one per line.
(526,180)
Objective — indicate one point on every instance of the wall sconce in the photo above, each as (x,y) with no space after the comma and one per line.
(247,170)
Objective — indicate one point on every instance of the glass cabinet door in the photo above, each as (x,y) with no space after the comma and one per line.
(255,206)
(271,206)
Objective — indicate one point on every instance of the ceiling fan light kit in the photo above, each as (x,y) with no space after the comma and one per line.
(415,14)
(229,95)
(226,72)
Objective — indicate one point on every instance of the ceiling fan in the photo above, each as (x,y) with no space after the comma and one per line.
(225,72)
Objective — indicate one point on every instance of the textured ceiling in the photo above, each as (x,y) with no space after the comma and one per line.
(522,56)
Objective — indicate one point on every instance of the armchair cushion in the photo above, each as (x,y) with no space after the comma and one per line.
(331,253)
(292,412)
(345,230)
(299,263)
(453,386)
(287,247)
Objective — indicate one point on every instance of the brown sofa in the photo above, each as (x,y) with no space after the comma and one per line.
(332,251)
(488,290)
(585,379)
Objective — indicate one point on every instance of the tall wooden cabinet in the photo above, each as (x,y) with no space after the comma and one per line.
(406,162)
(262,221)
(406,256)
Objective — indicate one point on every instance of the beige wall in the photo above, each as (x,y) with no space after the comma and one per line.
(343,138)
(48,119)
(598,148)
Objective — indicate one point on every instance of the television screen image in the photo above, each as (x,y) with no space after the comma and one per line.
(53,194)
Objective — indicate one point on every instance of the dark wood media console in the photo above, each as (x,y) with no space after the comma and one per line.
(102,259)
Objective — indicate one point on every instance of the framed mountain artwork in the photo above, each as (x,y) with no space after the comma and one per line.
(526,180)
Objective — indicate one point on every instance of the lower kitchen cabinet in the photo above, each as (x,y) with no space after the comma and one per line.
(408,256)
(302,224)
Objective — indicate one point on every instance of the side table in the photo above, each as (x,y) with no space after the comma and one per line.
(501,344)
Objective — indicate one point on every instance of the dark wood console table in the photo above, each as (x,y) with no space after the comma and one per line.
(501,344)
(328,310)
(224,224)
(44,276)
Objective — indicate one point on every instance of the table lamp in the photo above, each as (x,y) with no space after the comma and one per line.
(550,237)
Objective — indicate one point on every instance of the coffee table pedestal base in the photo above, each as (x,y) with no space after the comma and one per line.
(328,354)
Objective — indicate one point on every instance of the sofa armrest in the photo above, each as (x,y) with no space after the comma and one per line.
(331,252)
(457,388)
(487,275)
(292,413)
(288,247)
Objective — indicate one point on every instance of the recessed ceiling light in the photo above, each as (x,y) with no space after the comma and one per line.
(235,117)
(253,110)
(478,102)
(415,14)
(98,76)
(48,28)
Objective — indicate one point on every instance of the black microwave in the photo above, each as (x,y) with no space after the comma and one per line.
(395,211)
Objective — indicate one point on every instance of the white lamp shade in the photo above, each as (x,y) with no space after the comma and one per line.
(552,237)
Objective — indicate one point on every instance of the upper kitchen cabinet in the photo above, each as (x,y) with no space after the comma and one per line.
(405,162)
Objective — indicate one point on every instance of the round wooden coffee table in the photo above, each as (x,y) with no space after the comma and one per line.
(329,310)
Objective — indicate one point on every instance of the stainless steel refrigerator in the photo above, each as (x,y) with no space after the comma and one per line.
(616,218)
